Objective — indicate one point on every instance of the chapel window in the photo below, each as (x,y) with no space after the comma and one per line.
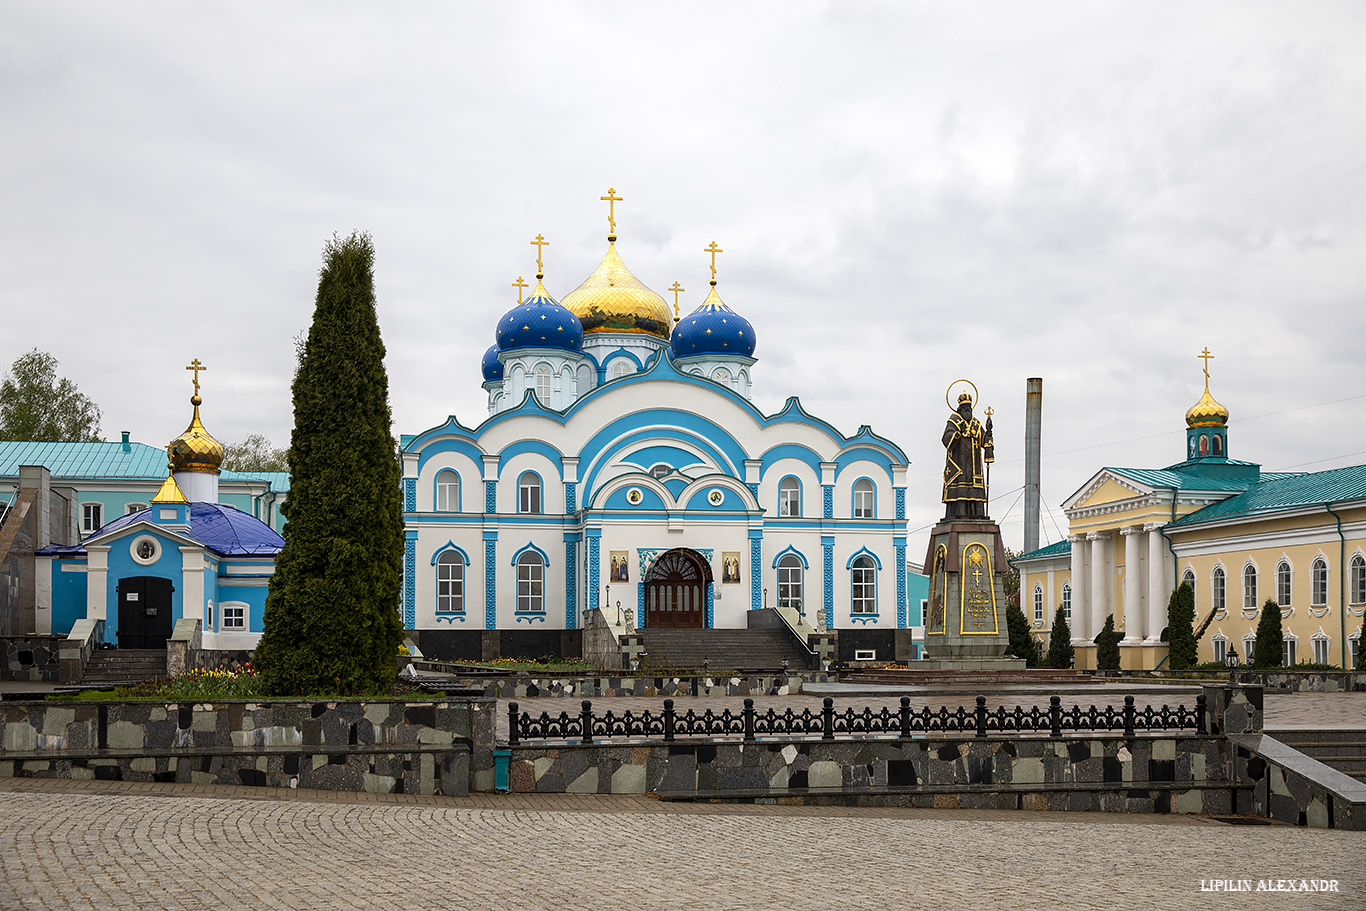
(789,497)
(790,581)
(450,583)
(447,491)
(864,583)
(864,498)
(543,382)
(530,583)
(529,492)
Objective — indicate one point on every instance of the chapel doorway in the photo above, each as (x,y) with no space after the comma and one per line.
(676,591)
(144,611)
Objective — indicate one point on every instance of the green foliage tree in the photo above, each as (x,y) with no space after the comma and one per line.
(1010,579)
(1181,628)
(1022,644)
(255,453)
(1060,651)
(1270,646)
(331,618)
(36,406)
(1107,648)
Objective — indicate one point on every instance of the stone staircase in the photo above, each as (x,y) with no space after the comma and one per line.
(723,650)
(123,666)
(1343,749)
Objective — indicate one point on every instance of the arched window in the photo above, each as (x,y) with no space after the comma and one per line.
(1320,642)
(864,499)
(864,586)
(721,375)
(529,492)
(1217,588)
(543,383)
(621,367)
(1353,643)
(1220,646)
(1188,578)
(1289,649)
(790,581)
(1038,603)
(530,583)
(1358,579)
(789,497)
(450,583)
(1283,584)
(1249,646)
(1318,583)
(1067,602)
(1250,587)
(1218,443)
(447,491)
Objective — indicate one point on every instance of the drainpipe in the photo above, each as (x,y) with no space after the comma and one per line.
(1342,583)
(1176,570)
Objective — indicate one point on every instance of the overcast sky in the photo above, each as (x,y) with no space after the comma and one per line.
(906,193)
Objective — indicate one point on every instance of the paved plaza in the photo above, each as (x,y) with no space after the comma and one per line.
(98,845)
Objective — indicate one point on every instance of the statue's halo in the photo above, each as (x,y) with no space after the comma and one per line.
(949,392)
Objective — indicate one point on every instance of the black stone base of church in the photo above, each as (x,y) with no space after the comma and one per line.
(880,641)
(484,645)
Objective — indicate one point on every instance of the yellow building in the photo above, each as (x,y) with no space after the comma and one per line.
(1241,536)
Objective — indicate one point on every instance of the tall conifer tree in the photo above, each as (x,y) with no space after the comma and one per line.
(1269,649)
(1107,647)
(331,620)
(1060,650)
(1181,648)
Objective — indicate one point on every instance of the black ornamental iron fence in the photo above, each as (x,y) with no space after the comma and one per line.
(750,723)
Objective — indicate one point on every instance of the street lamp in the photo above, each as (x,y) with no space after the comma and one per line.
(1231,659)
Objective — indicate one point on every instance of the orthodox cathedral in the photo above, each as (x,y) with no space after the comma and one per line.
(623,469)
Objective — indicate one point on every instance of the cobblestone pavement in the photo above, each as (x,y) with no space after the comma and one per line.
(1284,710)
(98,845)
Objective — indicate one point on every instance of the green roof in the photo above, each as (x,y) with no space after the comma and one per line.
(278,480)
(1053,550)
(1182,480)
(1283,492)
(85,460)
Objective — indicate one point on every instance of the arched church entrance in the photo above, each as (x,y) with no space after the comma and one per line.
(676,590)
(144,611)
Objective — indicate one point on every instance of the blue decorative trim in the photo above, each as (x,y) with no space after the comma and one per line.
(571,591)
(410,494)
(529,618)
(828,545)
(754,489)
(901,504)
(863,552)
(451,545)
(490,496)
(863,618)
(756,568)
(450,616)
(900,585)
(828,501)
(640,604)
(545,561)
(410,580)
(571,497)
(539,447)
(490,582)
(789,549)
(648,555)
(594,571)
(711,605)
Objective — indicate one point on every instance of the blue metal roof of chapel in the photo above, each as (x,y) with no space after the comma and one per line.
(223,529)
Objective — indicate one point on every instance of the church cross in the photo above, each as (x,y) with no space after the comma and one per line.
(713,250)
(519,284)
(196,366)
(1206,356)
(977,575)
(675,288)
(540,242)
(611,201)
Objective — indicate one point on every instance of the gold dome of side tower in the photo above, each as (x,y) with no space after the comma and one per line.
(1207,424)
(1207,412)
(195,450)
(612,299)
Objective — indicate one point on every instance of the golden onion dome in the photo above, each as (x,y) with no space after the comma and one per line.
(1207,412)
(195,449)
(614,300)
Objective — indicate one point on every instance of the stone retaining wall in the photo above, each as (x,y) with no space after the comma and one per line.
(439,746)
(1271,681)
(31,658)
(592,687)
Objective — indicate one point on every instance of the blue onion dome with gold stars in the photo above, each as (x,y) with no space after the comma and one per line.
(491,366)
(539,322)
(713,328)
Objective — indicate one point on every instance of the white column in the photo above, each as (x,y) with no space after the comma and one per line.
(1159,588)
(1135,613)
(1101,568)
(97,583)
(1079,550)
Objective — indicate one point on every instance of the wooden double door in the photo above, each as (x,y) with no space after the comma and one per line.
(144,611)
(676,591)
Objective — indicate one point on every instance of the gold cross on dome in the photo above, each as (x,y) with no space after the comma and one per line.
(713,250)
(519,284)
(540,242)
(1206,356)
(611,201)
(196,366)
(676,288)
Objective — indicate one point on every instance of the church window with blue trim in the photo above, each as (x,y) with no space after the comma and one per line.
(450,583)
(865,496)
(790,581)
(721,375)
(620,368)
(543,384)
(530,583)
(529,492)
(789,497)
(864,582)
(447,491)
